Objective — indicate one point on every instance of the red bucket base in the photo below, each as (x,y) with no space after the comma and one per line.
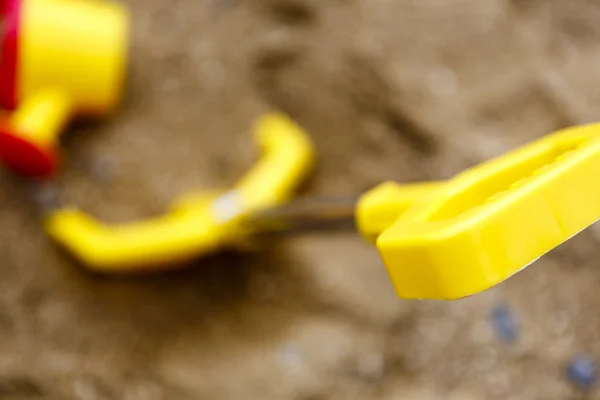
(25,158)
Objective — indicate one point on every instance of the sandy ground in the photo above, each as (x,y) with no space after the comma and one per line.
(402,90)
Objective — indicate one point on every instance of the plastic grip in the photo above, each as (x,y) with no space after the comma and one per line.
(490,222)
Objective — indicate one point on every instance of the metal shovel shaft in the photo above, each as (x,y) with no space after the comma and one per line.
(311,215)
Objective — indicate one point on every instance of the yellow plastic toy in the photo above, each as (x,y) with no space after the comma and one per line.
(60,58)
(490,222)
(449,240)
(197,224)
(438,240)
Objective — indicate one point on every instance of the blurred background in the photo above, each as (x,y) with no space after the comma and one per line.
(388,89)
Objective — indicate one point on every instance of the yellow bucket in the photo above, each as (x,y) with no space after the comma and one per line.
(59,58)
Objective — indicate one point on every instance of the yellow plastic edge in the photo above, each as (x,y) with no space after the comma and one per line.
(493,220)
(381,206)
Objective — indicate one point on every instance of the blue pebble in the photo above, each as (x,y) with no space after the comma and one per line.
(505,324)
(581,371)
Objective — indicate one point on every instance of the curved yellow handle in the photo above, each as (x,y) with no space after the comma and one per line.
(141,245)
(199,223)
(287,158)
(491,221)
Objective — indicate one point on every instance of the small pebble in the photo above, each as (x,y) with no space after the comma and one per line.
(505,324)
(581,371)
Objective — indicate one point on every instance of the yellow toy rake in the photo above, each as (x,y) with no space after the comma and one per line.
(438,240)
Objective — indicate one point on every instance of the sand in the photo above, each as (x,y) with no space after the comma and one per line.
(401,90)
